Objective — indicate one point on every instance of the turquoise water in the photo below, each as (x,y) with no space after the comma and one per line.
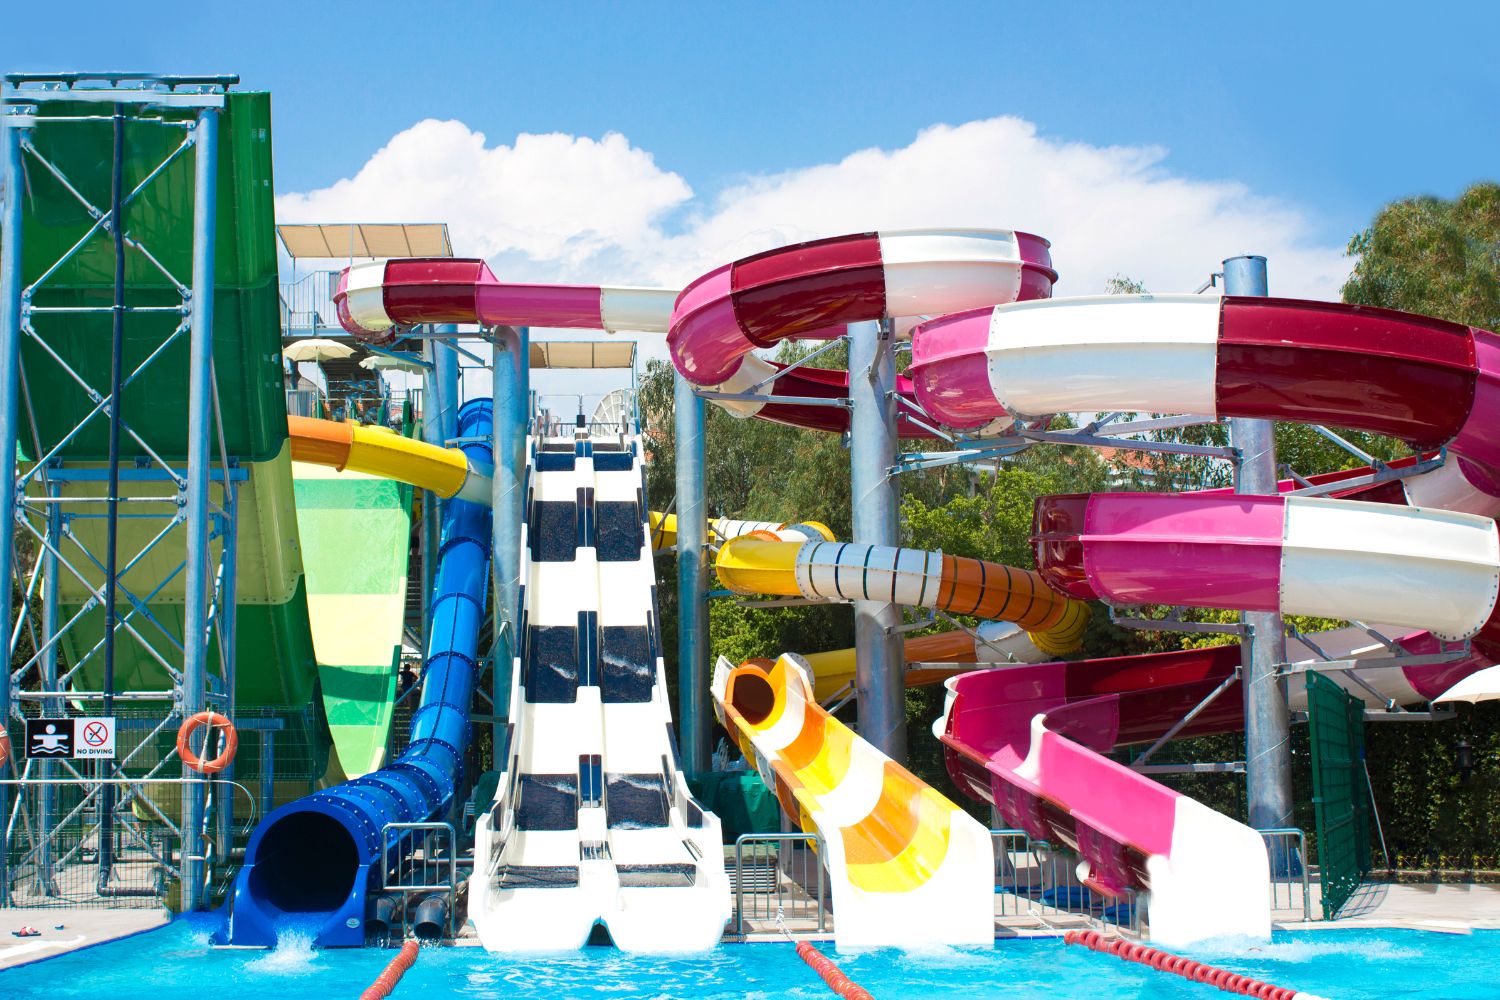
(176,962)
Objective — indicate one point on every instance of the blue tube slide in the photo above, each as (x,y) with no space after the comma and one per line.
(310,860)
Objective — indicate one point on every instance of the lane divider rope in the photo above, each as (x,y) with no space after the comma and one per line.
(387,980)
(832,974)
(1180,965)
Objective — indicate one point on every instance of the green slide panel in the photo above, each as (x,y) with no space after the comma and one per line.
(355,531)
(277,672)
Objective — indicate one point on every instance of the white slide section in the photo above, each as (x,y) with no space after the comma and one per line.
(593,823)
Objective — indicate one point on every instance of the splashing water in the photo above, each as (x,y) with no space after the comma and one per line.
(294,954)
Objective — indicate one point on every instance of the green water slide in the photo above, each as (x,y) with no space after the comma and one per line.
(355,531)
(277,669)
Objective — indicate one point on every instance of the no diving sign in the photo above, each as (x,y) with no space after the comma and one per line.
(70,739)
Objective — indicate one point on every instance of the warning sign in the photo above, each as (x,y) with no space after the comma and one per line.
(70,739)
(94,737)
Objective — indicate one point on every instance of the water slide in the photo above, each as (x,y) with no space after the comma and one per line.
(980,365)
(593,823)
(906,866)
(310,861)
(1417,567)
(355,531)
(277,673)
(1428,382)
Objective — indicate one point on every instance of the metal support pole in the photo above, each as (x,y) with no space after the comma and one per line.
(872,453)
(200,424)
(52,707)
(692,580)
(10,393)
(445,377)
(112,523)
(228,626)
(439,423)
(512,398)
(1268,761)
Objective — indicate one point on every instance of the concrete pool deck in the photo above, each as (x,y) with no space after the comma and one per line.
(80,929)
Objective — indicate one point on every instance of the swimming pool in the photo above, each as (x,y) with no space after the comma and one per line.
(176,962)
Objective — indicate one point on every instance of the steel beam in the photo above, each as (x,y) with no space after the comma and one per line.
(10,393)
(1268,759)
(512,398)
(692,579)
(872,454)
(200,399)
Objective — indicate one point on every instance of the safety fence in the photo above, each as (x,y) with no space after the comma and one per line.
(107,833)
(1037,884)
(778,878)
(307,304)
(110,842)
(419,878)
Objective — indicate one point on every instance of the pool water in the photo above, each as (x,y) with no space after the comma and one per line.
(176,962)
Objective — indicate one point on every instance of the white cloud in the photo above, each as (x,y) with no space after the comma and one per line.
(568,208)
(565,208)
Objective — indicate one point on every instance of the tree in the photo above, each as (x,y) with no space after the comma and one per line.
(1431,256)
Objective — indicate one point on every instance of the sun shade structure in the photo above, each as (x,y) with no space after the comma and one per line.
(366,239)
(377,362)
(583,354)
(316,349)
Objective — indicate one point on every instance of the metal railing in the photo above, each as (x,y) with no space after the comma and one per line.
(779,877)
(1033,880)
(64,854)
(307,303)
(1291,877)
(303,403)
(419,859)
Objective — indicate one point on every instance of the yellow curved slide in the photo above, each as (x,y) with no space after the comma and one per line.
(852,572)
(380,451)
(907,866)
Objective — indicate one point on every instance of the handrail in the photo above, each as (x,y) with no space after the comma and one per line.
(1286,832)
(776,838)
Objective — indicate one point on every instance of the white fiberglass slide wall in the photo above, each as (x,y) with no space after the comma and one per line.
(593,822)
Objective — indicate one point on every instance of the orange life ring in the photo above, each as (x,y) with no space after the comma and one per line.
(4,747)
(210,719)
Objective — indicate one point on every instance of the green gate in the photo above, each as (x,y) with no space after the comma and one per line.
(1341,791)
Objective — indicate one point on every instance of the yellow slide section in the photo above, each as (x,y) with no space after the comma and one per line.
(833,671)
(907,866)
(854,572)
(380,451)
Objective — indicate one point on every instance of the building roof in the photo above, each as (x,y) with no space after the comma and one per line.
(366,239)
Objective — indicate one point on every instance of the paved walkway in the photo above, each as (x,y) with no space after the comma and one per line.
(80,929)
(1456,907)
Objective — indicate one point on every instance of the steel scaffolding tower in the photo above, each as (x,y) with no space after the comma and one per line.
(69,511)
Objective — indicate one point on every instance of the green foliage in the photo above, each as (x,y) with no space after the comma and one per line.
(1431,256)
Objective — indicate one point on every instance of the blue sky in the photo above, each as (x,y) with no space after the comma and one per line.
(1335,108)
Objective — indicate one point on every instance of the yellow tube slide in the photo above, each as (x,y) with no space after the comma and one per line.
(851,572)
(380,451)
(900,855)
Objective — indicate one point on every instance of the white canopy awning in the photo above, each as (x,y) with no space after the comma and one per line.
(366,239)
(583,354)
